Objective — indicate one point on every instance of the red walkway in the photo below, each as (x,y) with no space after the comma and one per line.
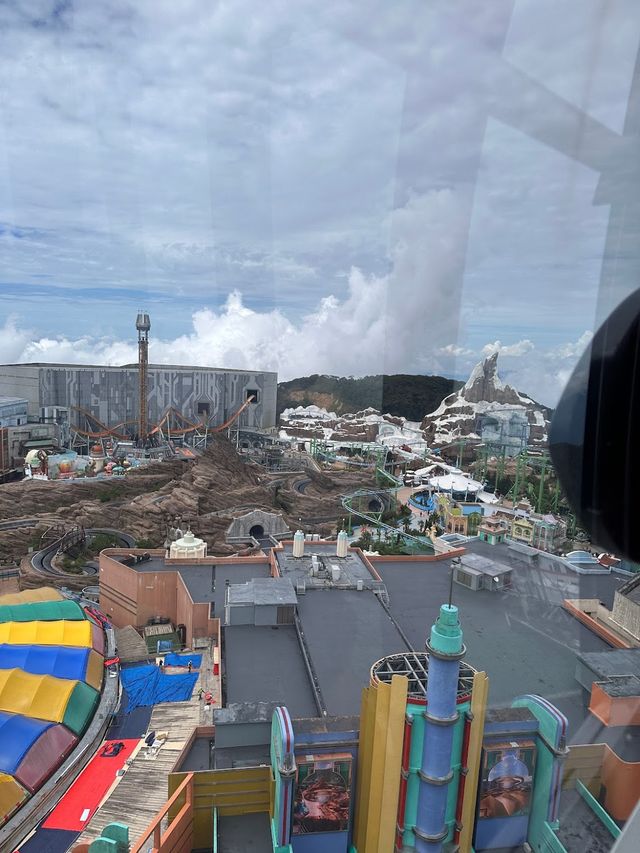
(82,799)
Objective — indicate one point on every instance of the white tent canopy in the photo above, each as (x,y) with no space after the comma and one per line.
(456,483)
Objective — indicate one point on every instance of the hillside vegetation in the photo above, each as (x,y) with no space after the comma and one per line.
(400,394)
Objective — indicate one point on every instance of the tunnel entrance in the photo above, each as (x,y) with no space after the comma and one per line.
(257,531)
(375,505)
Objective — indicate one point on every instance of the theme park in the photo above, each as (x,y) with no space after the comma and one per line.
(227,629)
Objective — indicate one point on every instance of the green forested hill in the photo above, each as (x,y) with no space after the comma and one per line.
(401,394)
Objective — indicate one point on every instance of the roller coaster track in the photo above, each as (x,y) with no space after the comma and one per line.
(41,561)
(182,425)
(347,503)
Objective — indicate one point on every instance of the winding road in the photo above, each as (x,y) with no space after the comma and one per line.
(41,560)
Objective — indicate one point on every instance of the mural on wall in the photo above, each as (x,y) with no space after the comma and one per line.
(67,465)
(323,794)
(507,779)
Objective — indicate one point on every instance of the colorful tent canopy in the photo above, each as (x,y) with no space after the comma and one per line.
(45,756)
(56,699)
(43,593)
(17,735)
(59,661)
(12,796)
(31,750)
(47,633)
(51,671)
(41,611)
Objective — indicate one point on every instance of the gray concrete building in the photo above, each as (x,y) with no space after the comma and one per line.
(13,411)
(111,393)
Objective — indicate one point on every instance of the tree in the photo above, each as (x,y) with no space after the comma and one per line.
(365,541)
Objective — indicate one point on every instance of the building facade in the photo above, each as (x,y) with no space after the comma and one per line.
(463,518)
(548,532)
(522,530)
(13,411)
(17,441)
(110,394)
(493,531)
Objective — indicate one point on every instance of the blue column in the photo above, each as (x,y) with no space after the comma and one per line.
(445,652)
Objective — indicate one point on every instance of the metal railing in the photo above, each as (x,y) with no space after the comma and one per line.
(175,836)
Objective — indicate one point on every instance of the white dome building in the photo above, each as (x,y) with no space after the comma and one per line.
(188,547)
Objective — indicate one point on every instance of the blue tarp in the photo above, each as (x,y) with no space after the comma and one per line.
(59,661)
(127,723)
(146,685)
(49,841)
(183,660)
(17,736)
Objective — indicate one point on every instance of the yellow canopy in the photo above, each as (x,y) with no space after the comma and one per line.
(12,795)
(41,696)
(44,593)
(61,633)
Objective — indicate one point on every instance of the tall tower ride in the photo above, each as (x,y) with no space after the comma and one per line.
(143,325)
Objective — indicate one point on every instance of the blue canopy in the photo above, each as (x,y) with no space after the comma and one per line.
(17,736)
(146,685)
(59,661)
(183,660)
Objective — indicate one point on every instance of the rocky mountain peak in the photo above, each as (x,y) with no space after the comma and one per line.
(485,384)
(485,400)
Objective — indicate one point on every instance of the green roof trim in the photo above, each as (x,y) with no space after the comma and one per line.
(80,708)
(42,611)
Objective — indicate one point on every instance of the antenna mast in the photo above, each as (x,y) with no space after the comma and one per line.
(143,325)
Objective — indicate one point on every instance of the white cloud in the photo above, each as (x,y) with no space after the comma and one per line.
(377,326)
(515,350)
(573,349)
(543,374)
(454,351)
(13,340)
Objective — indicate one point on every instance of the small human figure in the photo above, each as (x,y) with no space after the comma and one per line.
(189,666)
(200,693)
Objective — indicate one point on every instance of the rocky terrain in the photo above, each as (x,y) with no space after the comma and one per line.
(316,422)
(206,494)
(485,397)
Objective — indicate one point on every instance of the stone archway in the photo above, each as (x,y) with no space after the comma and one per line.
(269,523)
(257,531)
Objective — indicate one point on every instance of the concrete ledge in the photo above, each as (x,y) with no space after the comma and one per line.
(609,635)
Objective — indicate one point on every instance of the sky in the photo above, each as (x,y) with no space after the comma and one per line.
(365,187)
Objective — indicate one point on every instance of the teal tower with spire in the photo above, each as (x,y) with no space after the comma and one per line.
(445,649)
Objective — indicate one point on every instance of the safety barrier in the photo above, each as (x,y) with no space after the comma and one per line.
(178,836)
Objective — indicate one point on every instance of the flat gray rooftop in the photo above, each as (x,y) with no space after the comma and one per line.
(200,755)
(580,829)
(258,591)
(631,589)
(247,833)
(521,637)
(352,568)
(483,565)
(266,664)
(181,368)
(346,632)
(612,662)
(228,757)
